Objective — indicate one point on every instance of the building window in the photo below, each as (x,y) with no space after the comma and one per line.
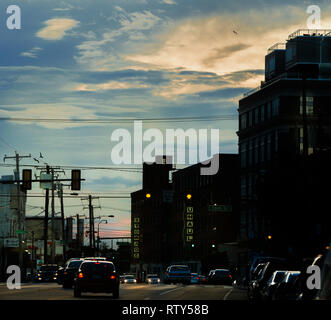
(309,105)
(268,153)
(256,151)
(276,140)
(262,113)
(250,153)
(275,107)
(243,187)
(250,118)
(243,121)
(243,154)
(262,149)
(268,110)
(256,115)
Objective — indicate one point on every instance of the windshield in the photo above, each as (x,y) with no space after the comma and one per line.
(48,268)
(75,264)
(179,268)
(279,276)
(129,277)
(152,276)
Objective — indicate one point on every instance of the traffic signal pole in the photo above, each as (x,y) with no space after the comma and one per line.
(21,217)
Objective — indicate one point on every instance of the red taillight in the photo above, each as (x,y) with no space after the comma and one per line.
(230,276)
(80,275)
(197,278)
(97,262)
(112,277)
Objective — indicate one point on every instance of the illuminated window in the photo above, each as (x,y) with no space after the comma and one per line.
(309,105)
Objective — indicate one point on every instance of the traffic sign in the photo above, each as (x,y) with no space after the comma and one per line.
(20,232)
(220,208)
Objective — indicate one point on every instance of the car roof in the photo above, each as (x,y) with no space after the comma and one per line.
(222,270)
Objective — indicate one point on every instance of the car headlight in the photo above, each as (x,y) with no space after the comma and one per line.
(125,281)
(149,280)
(158,280)
(134,280)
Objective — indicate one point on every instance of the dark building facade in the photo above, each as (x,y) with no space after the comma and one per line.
(203,241)
(191,219)
(150,210)
(281,123)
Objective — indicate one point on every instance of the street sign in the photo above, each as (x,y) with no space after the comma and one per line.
(20,232)
(11,243)
(45,185)
(220,208)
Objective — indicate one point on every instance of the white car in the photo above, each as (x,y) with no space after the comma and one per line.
(153,278)
(129,278)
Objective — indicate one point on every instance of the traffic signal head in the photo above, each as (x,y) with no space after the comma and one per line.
(188,196)
(269,237)
(148,195)
(27,177)
(75,179)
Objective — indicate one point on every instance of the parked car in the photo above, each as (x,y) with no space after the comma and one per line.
(194,278)
(129,278)
(286,289)
(96,276)
(152,278)
(70,271)
(269,288)
(325,291)
(255,286)
(203,279)
(178,273)
(211,272)
(262,259)
(47,273)
(221,276)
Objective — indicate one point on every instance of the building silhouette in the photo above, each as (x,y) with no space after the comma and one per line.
(281,124)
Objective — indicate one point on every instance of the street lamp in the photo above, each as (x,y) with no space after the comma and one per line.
(105,221)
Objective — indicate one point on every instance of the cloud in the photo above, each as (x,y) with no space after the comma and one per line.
(169,1)
(56,28)
(32,53)
(208,43)
(110,85)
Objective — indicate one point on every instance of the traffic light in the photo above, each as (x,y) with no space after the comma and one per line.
(188,196)
(75,179)
(148,195)
(27,177)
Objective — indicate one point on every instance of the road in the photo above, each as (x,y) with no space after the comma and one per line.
(53,291)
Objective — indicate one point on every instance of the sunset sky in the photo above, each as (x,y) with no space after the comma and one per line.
(84,59)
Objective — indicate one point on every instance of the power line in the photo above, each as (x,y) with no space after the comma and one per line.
(124,120)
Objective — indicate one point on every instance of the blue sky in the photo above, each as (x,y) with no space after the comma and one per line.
(130,59)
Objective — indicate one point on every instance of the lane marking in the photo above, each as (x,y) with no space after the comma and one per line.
(227,294)
(163,293)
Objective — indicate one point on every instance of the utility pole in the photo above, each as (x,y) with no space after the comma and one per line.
(52,221)
(64,239)
(46,220)
(21,218)
(91,221)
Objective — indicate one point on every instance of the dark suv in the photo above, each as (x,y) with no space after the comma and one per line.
(97,276)
(70,271)
(178,273)
(47,273)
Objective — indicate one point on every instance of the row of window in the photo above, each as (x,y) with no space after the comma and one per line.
(269,110)
(259,114)
(258,149)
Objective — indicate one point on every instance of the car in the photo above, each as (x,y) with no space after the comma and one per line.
(194,278)
(98,276)
(47,273)
(129,278)
(69,272)
(262,259)
(256,285)
(152,278)
(269,288)
(177,274)
(203,279)
(221,276)
(325,291)
(211,272)
(286,289)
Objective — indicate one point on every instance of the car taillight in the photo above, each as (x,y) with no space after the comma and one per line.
(197,278)
(80,275)
(112,277)
(230,276)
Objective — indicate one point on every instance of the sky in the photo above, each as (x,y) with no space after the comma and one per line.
(128,59)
